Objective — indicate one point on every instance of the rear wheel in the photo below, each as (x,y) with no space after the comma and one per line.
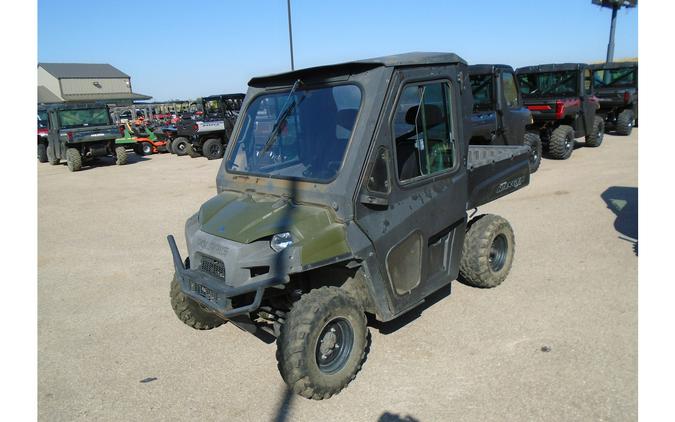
(121,155)
(487,255)
(42,153)
(532,140)
(146,148)
(213,149)
(624,122)
(179,145)
(322,343)
(561,143)
(594,139)
(190,312)
(73,159)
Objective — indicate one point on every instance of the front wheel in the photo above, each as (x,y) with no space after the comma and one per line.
(146,148)
(487,255)
(322,343)
(534,142)
(121,155)
(190,312)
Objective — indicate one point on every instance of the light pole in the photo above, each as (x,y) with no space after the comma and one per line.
(615,5)
(290,32)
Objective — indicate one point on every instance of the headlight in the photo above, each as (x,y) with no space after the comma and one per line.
(281,241)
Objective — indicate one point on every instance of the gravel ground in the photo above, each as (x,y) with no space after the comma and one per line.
(556,342)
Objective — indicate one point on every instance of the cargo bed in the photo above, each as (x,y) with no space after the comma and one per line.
(495,171)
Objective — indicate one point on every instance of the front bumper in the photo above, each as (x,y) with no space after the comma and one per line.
(215,293)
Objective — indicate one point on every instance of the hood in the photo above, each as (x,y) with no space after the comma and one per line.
(247,217)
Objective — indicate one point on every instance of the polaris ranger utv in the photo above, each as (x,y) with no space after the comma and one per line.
(499,116)
(80,132)
(352,202)
(616,86)
(560,97)
(209,135)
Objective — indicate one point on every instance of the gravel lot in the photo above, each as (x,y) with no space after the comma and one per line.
(556,341)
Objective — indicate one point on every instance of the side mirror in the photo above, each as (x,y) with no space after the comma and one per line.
(366,199)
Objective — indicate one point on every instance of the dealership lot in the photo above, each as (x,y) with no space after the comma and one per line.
(556,341)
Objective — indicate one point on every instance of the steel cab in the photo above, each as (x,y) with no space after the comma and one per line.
(360,165)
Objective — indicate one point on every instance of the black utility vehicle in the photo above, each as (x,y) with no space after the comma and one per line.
(208,135)
(560,97)
(80,132)
(499,115)
(616,86)
(353,201)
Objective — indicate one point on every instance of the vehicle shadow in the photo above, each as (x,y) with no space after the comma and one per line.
(623,202)
(393,417)
(99,162)
(410,316)
(283,406)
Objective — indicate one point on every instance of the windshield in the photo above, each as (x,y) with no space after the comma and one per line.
(42,120)
(481,86)
(614,77)
(548,83)
(311,137)
(84,117)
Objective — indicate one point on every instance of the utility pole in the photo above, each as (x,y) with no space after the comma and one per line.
(615,5)
(290,32)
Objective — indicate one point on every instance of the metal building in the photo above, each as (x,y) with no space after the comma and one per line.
(84,82)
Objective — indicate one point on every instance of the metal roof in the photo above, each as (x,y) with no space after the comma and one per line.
(357,66)
(613,65)
(481,69)
(552,67)
(111,96)
(82,70)
(45,96)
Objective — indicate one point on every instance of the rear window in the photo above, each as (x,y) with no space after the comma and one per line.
(84,117)
(614,77)
(548,83)
(481,87)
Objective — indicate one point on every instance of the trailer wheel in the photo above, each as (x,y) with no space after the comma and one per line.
(625,122)
(73,159)
(121,155)
(487,255)
(42,152)
(322,343)
(146,148)
(179,145)
(534,142)
(594,139)
(213,149)
(561,143)
(190,312)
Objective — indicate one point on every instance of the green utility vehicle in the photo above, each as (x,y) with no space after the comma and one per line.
(78,133)
(344,192)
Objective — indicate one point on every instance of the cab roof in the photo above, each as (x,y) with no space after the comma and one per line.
(358,66)
(614,65)
(552,67)
(481,69)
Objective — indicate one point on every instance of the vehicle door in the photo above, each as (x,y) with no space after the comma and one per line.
(514,116)
(55,147)
(413,198)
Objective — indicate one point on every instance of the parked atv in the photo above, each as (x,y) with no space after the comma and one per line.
(352,202)
(499,116)
(78,133)
(209,134)
(146,142)
(616,85)
(560,97)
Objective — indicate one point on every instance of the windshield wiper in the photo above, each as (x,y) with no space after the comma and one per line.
(286,111)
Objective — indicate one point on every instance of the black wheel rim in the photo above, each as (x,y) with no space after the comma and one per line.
(498,251)
(334,345)
(568,143)
(181,146)
(214,150)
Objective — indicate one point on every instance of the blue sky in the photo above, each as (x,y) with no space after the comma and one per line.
(180,49)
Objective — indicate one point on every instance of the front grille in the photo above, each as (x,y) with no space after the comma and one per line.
(213,266)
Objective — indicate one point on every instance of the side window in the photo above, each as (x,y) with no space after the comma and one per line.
(422,128)
(588,80)
(510,90)
(378,181)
